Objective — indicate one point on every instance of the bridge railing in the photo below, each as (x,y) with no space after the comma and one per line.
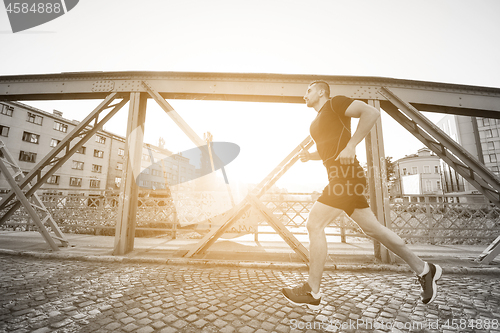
(426,220)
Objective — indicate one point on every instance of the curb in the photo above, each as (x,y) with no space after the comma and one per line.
(247,264)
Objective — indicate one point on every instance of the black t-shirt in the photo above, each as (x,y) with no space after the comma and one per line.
(331,129)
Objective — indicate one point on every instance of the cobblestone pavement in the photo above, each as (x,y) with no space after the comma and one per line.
(47,295)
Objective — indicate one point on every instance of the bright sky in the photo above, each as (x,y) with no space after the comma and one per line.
(453,41)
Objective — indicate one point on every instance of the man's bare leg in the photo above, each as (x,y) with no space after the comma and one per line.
(319,218)
(371,227)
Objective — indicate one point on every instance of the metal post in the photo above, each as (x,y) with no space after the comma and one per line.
(379,196)
(342,228)
(429,217)
(127,209)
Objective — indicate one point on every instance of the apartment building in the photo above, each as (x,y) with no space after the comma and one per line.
(418,174)
(30,134)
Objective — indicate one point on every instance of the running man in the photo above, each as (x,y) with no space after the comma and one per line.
(336,147)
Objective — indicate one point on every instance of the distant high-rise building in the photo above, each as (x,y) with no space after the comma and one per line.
(481,138)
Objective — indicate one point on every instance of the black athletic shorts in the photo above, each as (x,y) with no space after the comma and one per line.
(346,187)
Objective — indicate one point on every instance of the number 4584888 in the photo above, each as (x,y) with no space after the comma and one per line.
(23,7)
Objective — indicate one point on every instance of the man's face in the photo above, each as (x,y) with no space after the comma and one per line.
(312,95)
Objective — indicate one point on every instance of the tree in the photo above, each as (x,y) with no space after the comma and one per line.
(390,170)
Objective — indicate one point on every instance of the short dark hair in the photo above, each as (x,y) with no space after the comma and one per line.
(322,85)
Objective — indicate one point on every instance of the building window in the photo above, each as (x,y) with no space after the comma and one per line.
(427,169)
(60,127)
(414,170)
(118,181)
(156,173)
(495,169)
(493,158)
(82,150)
(145,157)
(404,171)
(428,186)
(100,139)
(6,110)
(96,168)
(31,137)
(73,181)
(94,183)
(98,153)
(35,119)
(27,156)
(119,166)
(4,130)
(77,165)
(145,183)
(146,171)
(53,180)
(436,169)
(438,184)
(491,145)
(54,142)
(121,152)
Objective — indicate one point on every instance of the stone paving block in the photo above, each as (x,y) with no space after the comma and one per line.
(211,317)
(158,324)
(191,318)
(42,330)
(127,320)
(200,323)
(134,311)
(179,323)
(192,309)
(145,329)
(130,327)
(246,329)
(61,323)
(113,326)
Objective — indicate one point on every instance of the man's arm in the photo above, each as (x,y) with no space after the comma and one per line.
(367,115)
(307,156)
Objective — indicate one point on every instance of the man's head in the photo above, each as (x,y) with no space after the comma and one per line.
(317,94)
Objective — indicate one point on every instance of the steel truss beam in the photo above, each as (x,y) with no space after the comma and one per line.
(405,95)
(252,200)
(425,96)
(7,164)
(84,130)
(469,167)
(445,147)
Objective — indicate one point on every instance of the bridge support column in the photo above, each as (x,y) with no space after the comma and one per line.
(379,194)
(127,211)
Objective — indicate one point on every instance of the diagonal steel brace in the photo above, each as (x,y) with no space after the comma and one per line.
(235,213)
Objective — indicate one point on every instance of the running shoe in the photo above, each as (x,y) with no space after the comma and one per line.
(303,295)
(428,283)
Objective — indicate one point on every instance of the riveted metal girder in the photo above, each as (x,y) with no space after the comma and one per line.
(445,147)
(69,145)
(285,88)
